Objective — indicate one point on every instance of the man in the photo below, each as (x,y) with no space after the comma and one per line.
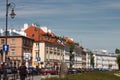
(23,71)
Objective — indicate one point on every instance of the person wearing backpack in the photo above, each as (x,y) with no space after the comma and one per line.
(23,71)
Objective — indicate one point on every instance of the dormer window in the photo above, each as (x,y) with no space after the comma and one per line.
(33,35)
(47,37)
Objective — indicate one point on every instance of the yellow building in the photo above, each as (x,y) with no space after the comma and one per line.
(47,47)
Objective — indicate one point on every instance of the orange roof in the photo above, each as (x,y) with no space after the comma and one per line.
(38,34)
(34,33)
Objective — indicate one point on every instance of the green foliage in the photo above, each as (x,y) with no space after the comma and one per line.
(118,61)
(117,51)
(91,59)
(71,47)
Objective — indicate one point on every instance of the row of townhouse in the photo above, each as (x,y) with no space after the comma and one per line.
(102,60)
(38,46)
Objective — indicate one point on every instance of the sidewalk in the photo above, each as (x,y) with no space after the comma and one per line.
(39,77)
(34,77)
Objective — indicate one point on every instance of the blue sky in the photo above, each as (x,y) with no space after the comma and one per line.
(95,24)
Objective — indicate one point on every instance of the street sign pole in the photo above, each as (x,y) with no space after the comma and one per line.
(5,49)
(38,60)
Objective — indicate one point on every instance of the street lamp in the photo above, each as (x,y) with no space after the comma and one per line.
(12,14)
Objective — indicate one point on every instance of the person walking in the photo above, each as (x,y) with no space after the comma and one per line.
(23,71)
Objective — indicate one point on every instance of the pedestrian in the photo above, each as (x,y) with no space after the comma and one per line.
(23,71)
(0,71)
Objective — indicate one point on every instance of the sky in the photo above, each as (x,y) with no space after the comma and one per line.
(95,24)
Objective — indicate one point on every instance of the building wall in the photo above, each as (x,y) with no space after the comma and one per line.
(77,57)
(42,53)
(49,53)
(102,60)
(88,60)
(105,61)
(17,48)
(54,54)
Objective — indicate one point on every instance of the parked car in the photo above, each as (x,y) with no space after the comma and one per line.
(88,69)
(48,71)
(9,70)
(72,71)
(33,71)
(14,70)
(79,70)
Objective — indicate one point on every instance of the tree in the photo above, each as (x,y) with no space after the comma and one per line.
(71,48)
(117,51)
(118,61)
(91,59)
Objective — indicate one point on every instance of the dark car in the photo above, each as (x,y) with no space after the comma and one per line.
(72,71)
(14,70)
(9,70)
(78,70)
(33,71)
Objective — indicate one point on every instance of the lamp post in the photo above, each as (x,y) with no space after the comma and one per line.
(12,14)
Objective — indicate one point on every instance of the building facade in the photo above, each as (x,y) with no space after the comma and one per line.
(18,47)
(102,60)
(46,46)
(38,46)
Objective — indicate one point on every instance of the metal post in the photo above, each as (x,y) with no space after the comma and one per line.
(6,22)
(5,56)
(5,77)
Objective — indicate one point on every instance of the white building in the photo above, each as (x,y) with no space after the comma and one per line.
(77,56)
(102,60)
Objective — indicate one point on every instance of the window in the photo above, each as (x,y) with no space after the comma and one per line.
(13,41)
(33,35)
(47,37)
(24,41)
(2,41)
(37,44)
(30,43)
(37,53)
(12,52)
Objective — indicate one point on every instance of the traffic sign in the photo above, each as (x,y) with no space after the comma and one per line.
(5,47)
(38,58)
(27,56)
